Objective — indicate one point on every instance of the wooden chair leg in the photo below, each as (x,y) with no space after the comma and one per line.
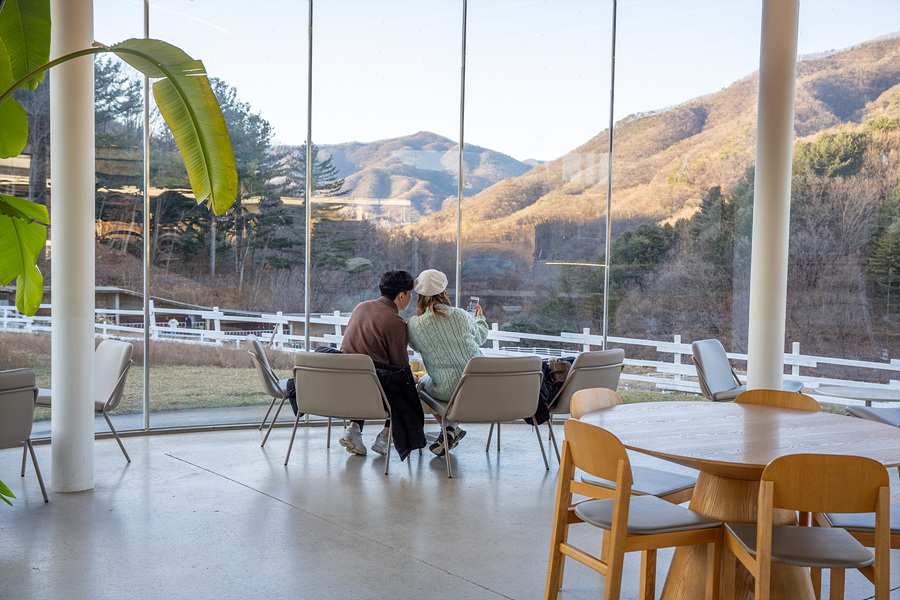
(816,576)
(837,585)
(713,567)
(648,575)
(614,567)
(729,573)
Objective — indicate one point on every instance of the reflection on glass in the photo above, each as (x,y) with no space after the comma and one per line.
(386,84)
(533,242)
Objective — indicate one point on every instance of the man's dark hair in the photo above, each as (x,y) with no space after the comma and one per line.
(394,283)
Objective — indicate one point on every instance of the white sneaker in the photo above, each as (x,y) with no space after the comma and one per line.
(352,441)
(381,444)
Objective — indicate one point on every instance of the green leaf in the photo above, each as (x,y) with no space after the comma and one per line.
(189,106)
(24,209)
(14,133)
(21,241)
(25,31)
(5,493)
(29,290)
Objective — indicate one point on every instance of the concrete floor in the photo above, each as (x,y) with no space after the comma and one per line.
(214,516)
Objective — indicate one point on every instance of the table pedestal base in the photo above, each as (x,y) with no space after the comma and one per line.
(734,500)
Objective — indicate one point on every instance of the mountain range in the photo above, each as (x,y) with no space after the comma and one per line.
(663,162)
(421,168)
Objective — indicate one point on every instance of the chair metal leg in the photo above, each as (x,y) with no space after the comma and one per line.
(24,454)
(328,437)
(37,469)
(291,445)
(113,429)
(553,437)
(272,424)
(490,435)
(446,431)
(537,432)
(271,404)
(387,457)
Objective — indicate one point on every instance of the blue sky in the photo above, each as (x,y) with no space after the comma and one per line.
(537,71)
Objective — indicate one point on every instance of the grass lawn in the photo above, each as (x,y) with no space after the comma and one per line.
(182,387)
(174,387)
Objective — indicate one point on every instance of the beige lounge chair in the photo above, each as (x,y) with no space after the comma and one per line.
(18,394)
(600,369)
(112,360)
(339,386)
(718,380)
(277,388)
(491,390)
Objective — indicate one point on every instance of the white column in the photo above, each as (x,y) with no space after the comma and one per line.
(772,198)
(72,267)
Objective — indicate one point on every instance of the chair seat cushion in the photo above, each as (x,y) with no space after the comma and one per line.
(863,522)
(731,394)
(791,385)
(889,415)
(649,482)
(44,400)
(438,406)
(818,547)
(646,515)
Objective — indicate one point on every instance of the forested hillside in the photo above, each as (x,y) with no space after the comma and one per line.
(664,162)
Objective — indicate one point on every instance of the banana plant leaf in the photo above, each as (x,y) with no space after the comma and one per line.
(25,31)
(23,233)
(6,493)
(186,102)
(190,108)
(14,129)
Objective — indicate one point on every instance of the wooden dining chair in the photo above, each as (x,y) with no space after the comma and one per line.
(671,487)
(862,527)
(813,483)
(778,399)
(629,524)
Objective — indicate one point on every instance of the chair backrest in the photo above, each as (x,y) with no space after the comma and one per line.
(267,376)
(778,399)
(589,400)
(599,453)
(18,394)
(821,483)
(713,369)
(494,389)
(339,385)
(112,359)
(600,369)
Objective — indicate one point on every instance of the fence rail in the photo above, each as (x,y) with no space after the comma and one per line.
(218,327)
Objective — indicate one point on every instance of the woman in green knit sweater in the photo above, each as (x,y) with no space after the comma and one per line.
(447,338)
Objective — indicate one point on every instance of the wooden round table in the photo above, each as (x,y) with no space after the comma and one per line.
(730,444)
(868,395)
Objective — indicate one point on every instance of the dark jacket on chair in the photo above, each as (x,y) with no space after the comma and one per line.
(407,416)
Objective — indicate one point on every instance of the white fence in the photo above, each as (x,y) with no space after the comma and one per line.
(219,327)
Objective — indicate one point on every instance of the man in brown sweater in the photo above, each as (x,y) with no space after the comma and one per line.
(377,330)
